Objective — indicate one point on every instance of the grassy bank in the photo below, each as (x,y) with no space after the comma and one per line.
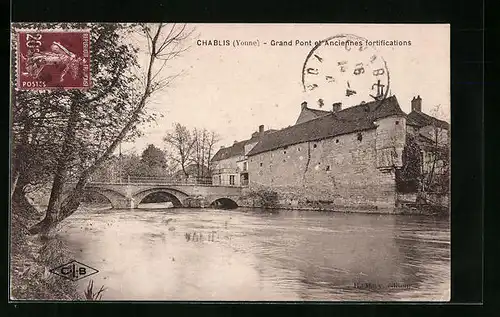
(32,257)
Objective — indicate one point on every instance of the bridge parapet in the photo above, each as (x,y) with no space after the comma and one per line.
(131,194)
(157,180)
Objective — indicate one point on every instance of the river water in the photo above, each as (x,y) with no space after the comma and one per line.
(257,255)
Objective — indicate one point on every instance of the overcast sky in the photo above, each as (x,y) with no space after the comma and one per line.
(233,90)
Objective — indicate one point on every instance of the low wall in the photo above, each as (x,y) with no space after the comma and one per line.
(302,200)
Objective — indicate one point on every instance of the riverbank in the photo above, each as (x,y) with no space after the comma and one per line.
(400,210)
(32,257)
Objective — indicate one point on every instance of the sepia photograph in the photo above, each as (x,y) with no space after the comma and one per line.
(230,162)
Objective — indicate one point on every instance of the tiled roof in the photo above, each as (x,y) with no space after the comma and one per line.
(353,119)
(427,143)
(318,112)
(238,148)
(307,114)
(420,119)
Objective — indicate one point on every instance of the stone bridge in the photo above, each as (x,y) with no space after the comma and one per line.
(130,195)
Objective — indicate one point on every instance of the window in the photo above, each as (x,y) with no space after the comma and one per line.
(245,166)
(328,167)
(360,137)
(315,145)
(231,179)
(397,122)
(260,164)
(337,141)
(284,152)
(298,149)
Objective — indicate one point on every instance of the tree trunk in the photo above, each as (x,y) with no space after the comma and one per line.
(53,208)
(55,213)
(430,180)
(184,170)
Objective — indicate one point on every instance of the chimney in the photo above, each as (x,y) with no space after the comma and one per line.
(303,105)
(336,107)
(416,104)
(261,128)
(221,147)
(235,142)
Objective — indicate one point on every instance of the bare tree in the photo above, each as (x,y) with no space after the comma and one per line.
(197,158)
(192,147)
(438,151)
(181,143)
(204,147)
(212,139)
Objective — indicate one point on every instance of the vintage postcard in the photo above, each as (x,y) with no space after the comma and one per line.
(230,162)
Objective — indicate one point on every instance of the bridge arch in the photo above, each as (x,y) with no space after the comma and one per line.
(116,199)
(95,196)
(177,196)
(224,203)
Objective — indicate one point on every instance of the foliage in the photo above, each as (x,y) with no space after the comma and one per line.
(151,163)
(437,177)
(154,157)
(89,293)
(66,135)
(40,119)
(408,177)
(32,258)
(426,165)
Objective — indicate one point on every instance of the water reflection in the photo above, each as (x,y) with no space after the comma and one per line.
(247,254)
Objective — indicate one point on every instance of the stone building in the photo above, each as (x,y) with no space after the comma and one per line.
(340,159)
(432,136)
(230,164)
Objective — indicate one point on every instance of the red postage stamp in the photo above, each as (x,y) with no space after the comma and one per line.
(53,59)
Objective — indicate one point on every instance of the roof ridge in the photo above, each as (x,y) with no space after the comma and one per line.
(334,113)
(306,107)
(312,109)
(308,121)
(351,107)
(364,104)
(429,116)
(331,125)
